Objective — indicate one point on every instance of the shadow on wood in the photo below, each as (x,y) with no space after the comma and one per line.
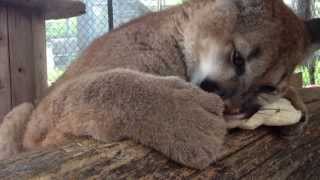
(256,154)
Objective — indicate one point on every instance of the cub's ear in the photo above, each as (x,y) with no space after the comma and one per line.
(313,27)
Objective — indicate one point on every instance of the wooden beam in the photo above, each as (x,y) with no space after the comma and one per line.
(52,9)
(5,85)
(258,154)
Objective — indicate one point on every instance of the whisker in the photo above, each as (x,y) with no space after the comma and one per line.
(275,109)
(264,98)
(262,113)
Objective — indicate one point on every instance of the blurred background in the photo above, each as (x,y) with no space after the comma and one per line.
(67,38)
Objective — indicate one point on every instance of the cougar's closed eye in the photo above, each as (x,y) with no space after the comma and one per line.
(238,61)
(267,89)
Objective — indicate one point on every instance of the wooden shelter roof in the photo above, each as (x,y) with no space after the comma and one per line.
(52,9)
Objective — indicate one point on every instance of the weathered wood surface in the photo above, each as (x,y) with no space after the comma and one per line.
(39,54)
(21,56)
(5,86)
(259,154)
(52,9)
(23,74)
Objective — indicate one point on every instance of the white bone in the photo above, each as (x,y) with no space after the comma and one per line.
(278,113)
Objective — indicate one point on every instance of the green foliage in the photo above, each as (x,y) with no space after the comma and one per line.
(54,74)
(61,28)
(306,74)
(175,1)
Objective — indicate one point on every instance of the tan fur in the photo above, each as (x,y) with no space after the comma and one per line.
(134,82)
(12,130)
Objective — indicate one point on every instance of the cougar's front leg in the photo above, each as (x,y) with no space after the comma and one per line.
(297,102)
(165,113)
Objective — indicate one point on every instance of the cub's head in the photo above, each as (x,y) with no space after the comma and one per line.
(241,48)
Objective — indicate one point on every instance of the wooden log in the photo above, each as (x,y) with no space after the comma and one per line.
(258,154)
(52,9)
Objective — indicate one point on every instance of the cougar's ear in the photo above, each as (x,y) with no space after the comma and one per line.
(313,27)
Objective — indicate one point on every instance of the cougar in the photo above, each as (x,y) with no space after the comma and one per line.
(167,79)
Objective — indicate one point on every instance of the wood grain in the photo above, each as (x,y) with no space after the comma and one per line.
(39,54)
(21,55)
(258,154)
(5,85)
(23,69)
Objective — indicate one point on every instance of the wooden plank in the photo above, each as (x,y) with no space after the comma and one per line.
(57,9)
(5,86)
(39,54)
(258,154)
(21,55)
(52,9)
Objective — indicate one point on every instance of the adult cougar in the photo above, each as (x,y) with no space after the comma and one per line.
(141,80)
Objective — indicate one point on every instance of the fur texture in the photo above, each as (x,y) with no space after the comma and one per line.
(12,130)
(134,82)
(171,115)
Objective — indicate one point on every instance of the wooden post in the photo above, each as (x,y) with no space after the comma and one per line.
(23,66)
(27,54)
(23,76)
(5,84)
(39,54)
(21,55)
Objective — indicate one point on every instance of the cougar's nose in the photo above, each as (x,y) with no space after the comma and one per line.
(213,87)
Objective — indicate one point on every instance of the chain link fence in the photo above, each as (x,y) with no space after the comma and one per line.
(66,38)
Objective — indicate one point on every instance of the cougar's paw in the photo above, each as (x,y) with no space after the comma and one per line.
(291,132)
(177,119)
(294,131)
(198,135)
